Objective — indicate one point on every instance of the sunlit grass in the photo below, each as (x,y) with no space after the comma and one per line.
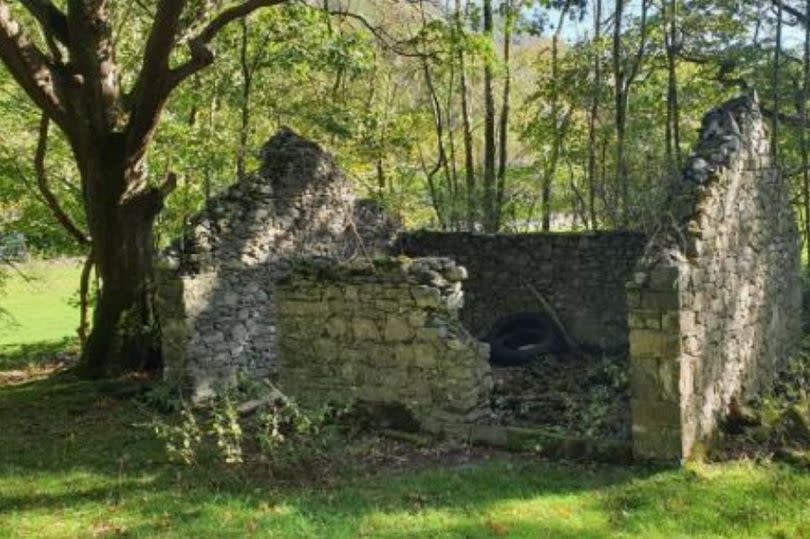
(76,460)
(40,298)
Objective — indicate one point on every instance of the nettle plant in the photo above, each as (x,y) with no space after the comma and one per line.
(224,430)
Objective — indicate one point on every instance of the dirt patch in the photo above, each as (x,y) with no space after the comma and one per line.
(577,395)
(38,371)
(367,456)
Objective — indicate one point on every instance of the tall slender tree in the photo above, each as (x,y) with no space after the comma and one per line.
(672,44)
(559,120)
(625,72)
(803,142)
(503,132)
(469,159)
(490,210)
(593,113)
(777,80)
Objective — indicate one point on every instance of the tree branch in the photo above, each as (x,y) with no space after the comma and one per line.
(149,92)
(639,56)
(91,52)
(29,67)
(792,11)
(238,11)
(53,21)
(157,80)
(84,297)
(787,119)
(201,54)
(45,190)
(384,38)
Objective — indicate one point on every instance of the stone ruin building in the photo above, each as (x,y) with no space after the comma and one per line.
(286,276)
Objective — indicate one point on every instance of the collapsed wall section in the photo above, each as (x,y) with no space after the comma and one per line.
(386,335)
(215,296)
(582,276)
(715,304)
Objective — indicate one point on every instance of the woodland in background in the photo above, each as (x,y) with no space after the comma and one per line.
(492,116)
(511,115)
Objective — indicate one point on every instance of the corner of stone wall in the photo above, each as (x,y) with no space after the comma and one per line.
(388,334)
(653,298)
(714,306)
(180,299)
(174,332)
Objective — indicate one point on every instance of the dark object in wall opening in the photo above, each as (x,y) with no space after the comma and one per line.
(519,338)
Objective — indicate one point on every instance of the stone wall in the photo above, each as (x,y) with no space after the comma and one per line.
(384,335)
(715,303)
(215,284)
(583,276)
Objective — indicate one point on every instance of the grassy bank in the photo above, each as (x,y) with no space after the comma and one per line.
(76,461)
(40,299)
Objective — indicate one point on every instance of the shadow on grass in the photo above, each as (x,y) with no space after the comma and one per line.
(23,356)
(74,444)
(80,449)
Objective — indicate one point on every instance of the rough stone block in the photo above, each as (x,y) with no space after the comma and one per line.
(640,319)
(660,301)
(663,278)
(398,329)
(365,329)
(337,327)
(671,321)
(646,342)
(426,296)
(659,413)
(644,382)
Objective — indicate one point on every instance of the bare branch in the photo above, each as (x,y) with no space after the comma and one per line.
(231,14)
(639,56)
(383,37)
(45,190)
(201,54)
(787,119)
(792,11)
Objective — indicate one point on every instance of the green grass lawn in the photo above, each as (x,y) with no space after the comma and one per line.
(75,461)
(40,298)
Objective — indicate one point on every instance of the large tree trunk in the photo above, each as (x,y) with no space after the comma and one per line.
(121,214)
